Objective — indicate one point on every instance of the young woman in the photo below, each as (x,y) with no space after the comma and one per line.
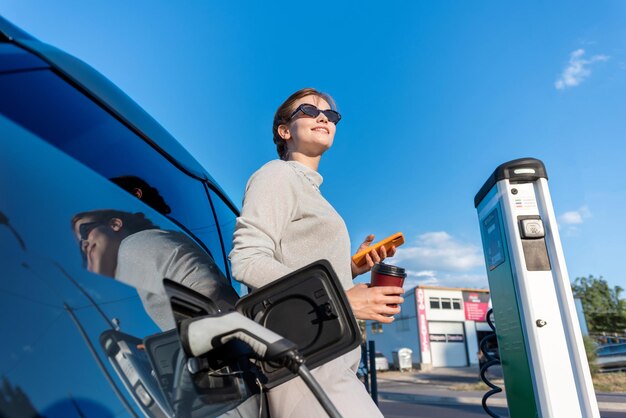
(285,224)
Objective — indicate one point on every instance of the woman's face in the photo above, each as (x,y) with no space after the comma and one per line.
(99,242)
(307,135)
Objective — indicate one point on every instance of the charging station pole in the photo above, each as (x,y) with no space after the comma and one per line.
(543,358)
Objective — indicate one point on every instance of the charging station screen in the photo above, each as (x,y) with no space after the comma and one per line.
(494,247)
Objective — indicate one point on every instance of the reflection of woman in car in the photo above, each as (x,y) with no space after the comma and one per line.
(285,224)
(130,248)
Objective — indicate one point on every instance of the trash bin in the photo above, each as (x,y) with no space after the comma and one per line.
(403,359)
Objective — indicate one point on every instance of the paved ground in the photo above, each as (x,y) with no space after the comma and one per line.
(392,409)
(433,388)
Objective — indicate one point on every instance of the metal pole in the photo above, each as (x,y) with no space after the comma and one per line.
(364,360)
(373,382)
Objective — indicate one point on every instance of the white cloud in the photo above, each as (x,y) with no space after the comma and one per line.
(426,273)
(571,218)
(577,69)
(569,222)
(438,259)
(474,281)
(575,217)
(413,278)
(439,251)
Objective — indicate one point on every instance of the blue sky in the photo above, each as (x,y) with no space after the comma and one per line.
(434,96)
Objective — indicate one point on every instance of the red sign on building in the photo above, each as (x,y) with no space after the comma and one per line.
(476,305)
(422,323)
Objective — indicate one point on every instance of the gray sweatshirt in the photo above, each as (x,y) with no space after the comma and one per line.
(147,257)
(285,224)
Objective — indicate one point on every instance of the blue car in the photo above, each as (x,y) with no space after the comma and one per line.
(611,357)
(113,239)
(84,332)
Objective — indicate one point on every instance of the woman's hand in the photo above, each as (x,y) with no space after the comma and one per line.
(371,258)
(371,302)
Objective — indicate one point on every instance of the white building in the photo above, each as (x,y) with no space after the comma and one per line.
(442,326)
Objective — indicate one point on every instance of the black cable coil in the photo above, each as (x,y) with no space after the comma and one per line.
(491,361)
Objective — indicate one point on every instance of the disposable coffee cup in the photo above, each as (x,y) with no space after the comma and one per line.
(388,275)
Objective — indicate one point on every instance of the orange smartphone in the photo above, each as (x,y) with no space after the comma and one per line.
(396,240)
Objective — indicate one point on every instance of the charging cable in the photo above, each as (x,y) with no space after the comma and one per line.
(491,361)
(201,335)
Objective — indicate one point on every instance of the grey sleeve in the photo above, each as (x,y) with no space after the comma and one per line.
(148,257)
(193,268)
(270,203)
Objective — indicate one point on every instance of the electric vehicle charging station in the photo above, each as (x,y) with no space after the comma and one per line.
(546,373)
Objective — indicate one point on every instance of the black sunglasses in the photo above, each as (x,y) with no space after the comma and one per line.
(312,111)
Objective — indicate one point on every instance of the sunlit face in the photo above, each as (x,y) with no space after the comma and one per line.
(99,243)
(307,135)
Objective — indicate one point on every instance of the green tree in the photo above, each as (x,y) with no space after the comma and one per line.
(604,308)
(590,350)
